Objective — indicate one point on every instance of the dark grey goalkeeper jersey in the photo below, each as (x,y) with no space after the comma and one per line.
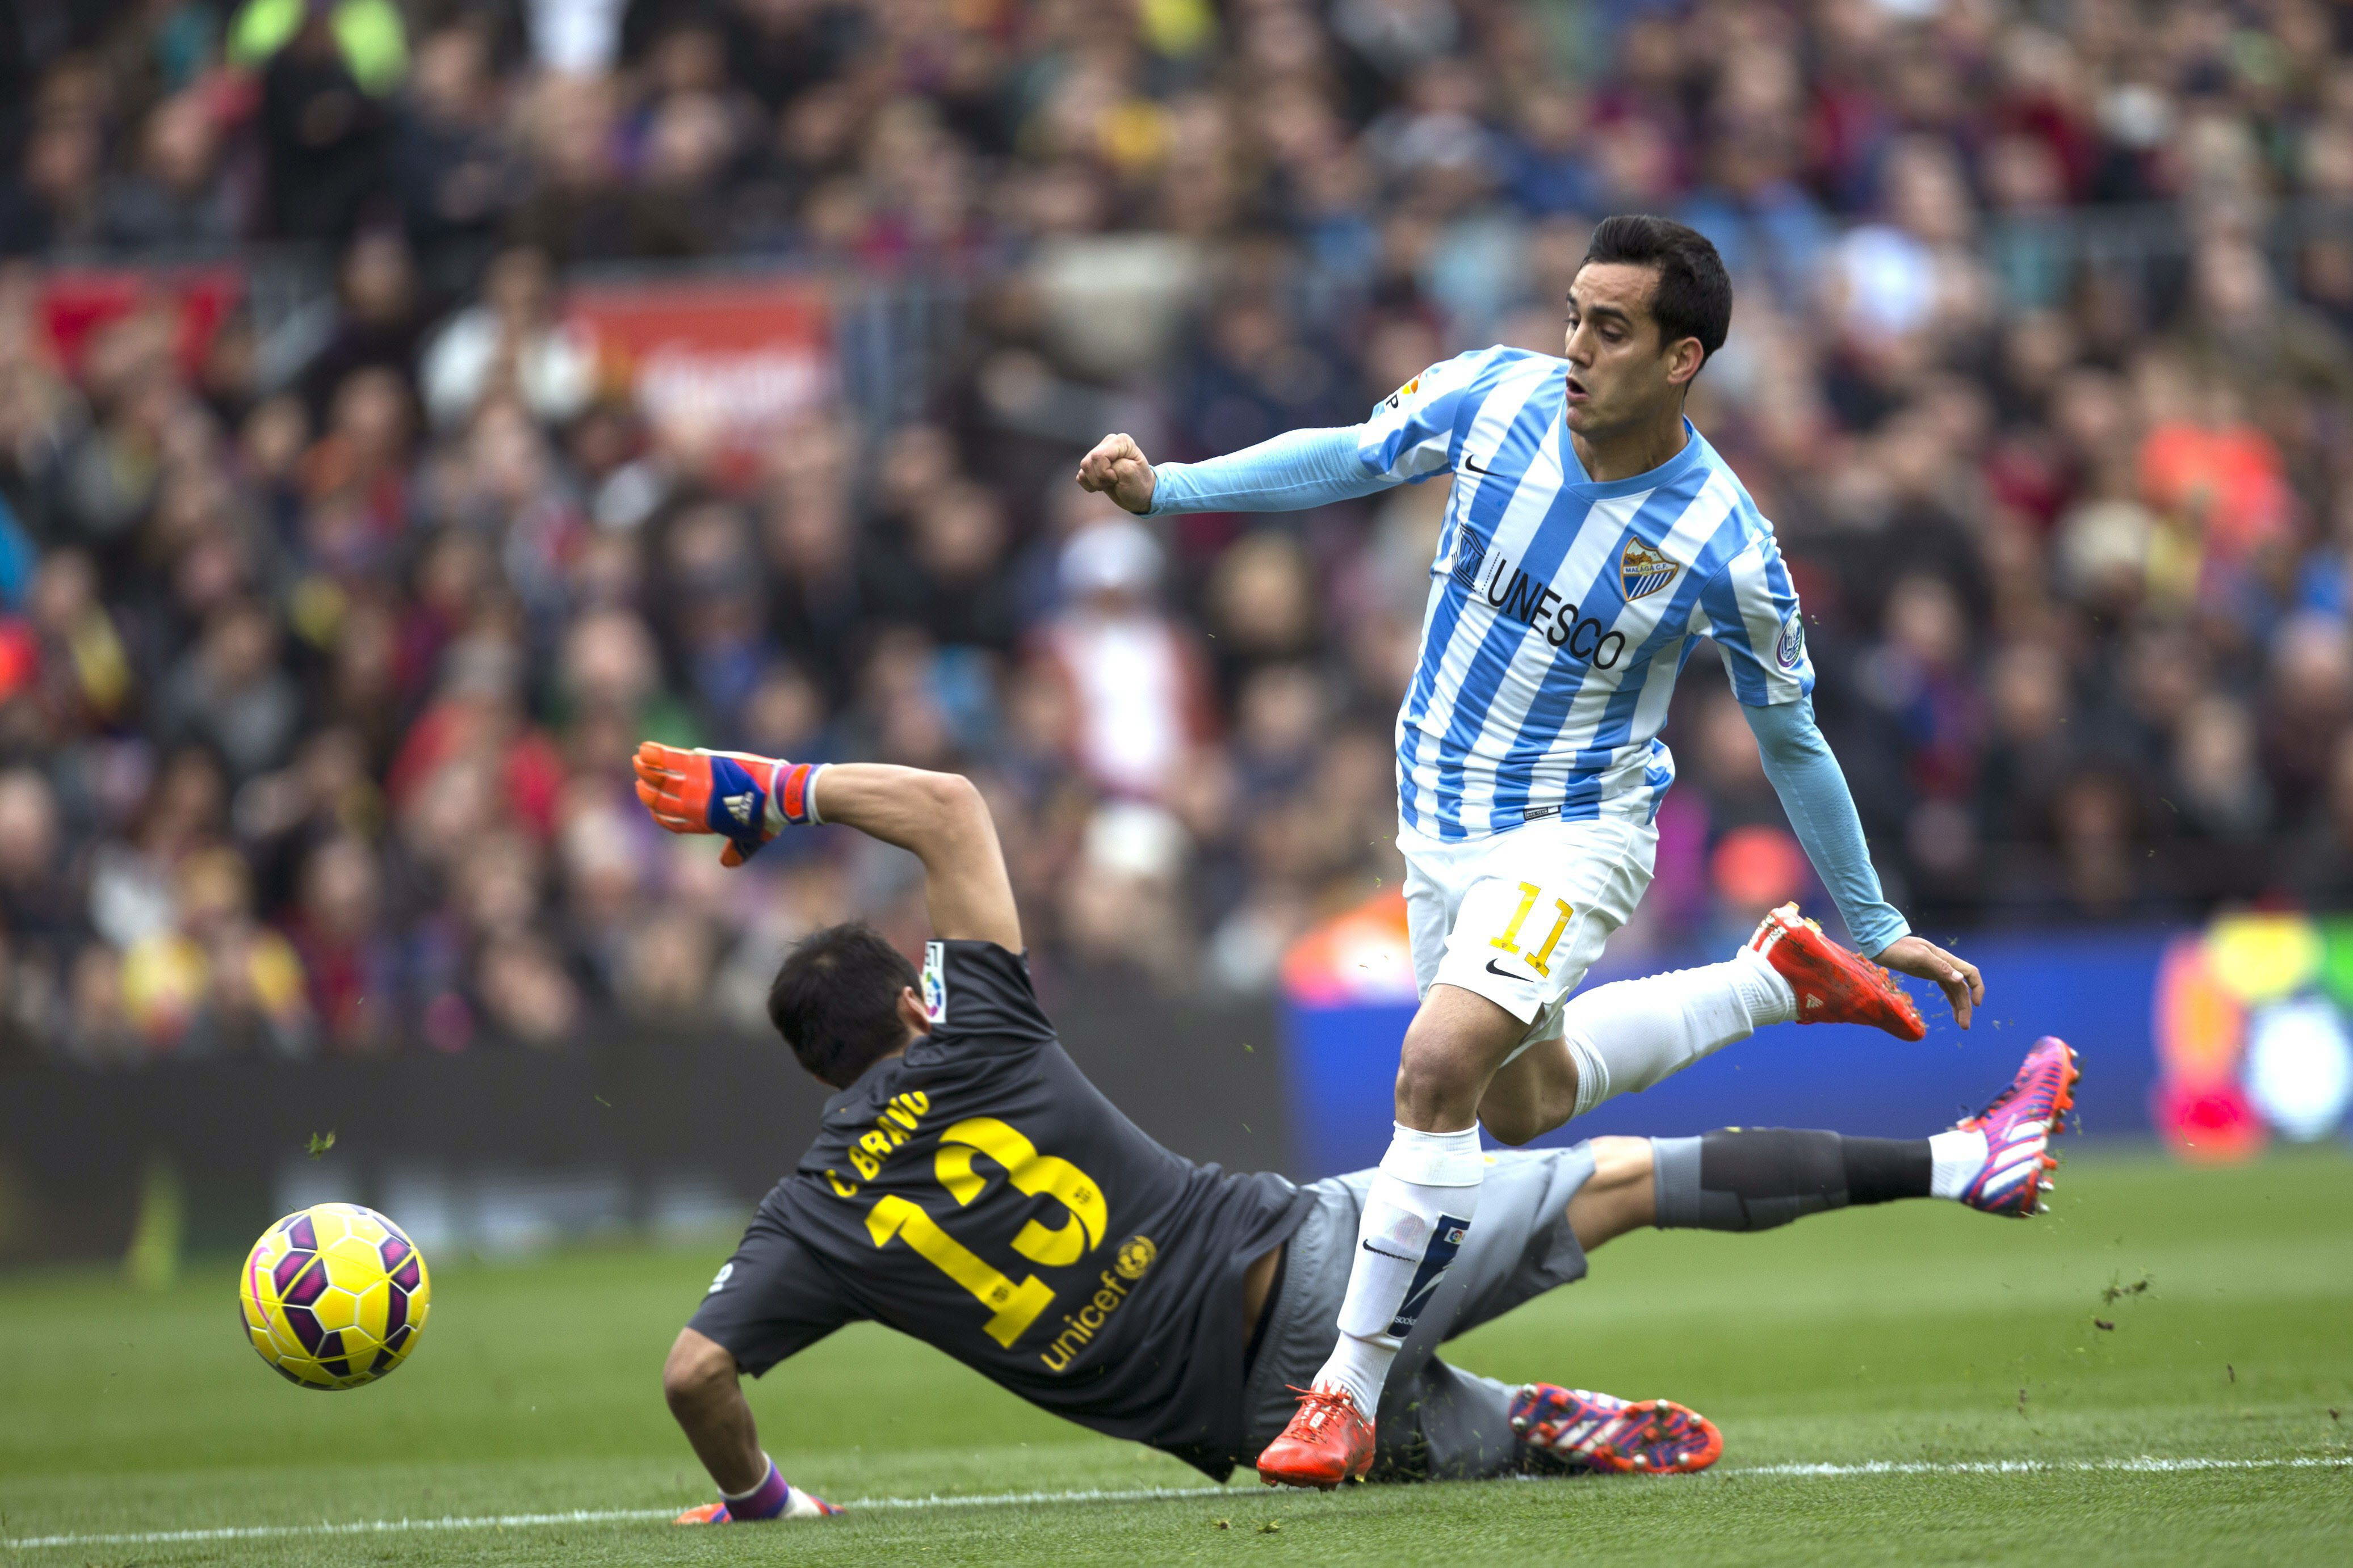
(980,1195)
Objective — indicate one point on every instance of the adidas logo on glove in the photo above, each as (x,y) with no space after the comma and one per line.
(739,807)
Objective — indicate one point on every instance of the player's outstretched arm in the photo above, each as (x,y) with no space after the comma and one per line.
(1413,433)
(939,818)
(702,1383)
(1295,471)
(1814,793)
(1117,468)
(942,819)
(1956,976)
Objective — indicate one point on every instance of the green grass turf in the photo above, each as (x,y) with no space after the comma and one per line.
(1916,1334)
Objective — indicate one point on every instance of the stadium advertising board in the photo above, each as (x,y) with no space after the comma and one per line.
(2215,1041)
(732,358)
(2250,1025)
(184,306)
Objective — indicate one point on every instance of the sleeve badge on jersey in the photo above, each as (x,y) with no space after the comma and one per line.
(1644,571)
(1396,398)
(1790,651)
(935,982)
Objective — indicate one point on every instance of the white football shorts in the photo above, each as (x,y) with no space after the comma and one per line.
(1519,917)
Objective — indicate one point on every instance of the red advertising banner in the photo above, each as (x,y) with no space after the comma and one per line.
(79,304)
(738,356)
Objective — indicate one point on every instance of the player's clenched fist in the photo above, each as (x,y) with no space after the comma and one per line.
(1117,469)
(745,799)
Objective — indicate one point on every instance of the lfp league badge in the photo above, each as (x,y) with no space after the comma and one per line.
(1790,651)
(935,982)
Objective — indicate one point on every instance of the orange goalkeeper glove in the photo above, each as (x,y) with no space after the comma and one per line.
(747,800)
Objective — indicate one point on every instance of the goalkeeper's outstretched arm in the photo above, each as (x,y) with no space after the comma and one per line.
(939,818)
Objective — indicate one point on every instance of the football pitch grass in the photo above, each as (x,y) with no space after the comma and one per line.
(1914,1384)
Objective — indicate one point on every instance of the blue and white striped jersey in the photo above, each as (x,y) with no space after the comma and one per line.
(1561,610)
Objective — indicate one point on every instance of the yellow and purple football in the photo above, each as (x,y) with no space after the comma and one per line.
(334,1296)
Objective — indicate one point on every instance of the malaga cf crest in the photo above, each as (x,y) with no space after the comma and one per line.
(1643,570)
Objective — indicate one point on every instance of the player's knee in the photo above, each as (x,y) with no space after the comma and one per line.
(1511,1125)
(1434,1080)
(697,1368)
(1435,1069)
(1621,1164)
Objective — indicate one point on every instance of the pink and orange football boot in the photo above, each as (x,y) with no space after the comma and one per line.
(1834,985)
(2017,1127)
(1571,1428)
(1328,1442)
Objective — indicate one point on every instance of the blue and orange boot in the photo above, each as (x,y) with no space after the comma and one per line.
(1574,1429)
(2017,1127)
(1834,985)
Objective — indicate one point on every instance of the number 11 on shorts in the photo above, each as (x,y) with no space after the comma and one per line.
(1509,938)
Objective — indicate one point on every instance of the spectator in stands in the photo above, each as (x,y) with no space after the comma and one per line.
(324,126)
(367,598)
(1140,689)
(177,198)
(513,343)
(455,173)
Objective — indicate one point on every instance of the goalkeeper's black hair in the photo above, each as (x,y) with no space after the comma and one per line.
(1693,298)
(836,1001)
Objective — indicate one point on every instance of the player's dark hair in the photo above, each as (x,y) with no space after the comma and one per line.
(1693,298)
(836,1001)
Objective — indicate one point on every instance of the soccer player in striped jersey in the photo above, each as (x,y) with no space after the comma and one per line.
(1592,535)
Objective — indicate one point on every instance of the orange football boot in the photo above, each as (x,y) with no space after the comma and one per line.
(1327,1442)
(1834,985)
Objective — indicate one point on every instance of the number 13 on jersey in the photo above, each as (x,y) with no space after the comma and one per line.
(1012,1307)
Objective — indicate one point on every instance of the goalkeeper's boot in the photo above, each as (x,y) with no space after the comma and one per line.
(2017,1127)
(1573,1429)
(1834,985)
(774,1498)
(1328,1442)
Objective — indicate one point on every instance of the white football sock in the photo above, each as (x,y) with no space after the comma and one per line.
(1958,1155)
(1765,991)
(1402,1251)
(1629,1035)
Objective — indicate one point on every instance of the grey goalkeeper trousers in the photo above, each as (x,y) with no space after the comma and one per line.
(1436,1421)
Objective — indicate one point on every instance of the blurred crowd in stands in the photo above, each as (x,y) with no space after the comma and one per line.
(320,665)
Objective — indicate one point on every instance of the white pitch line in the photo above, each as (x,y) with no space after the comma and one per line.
(576,1516)
(2143,1465)
(369,1527)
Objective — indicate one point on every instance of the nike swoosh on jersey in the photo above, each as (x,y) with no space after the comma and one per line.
(1507,975)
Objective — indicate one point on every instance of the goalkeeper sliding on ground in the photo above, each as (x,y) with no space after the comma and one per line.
(969,1186)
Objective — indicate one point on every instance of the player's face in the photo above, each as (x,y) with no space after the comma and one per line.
(1619,374)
